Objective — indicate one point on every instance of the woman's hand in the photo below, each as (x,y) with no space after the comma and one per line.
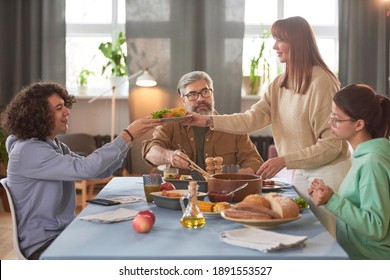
(271,167)
(319,192)
(197,120)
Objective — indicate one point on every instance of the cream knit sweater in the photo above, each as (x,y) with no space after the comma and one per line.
(299,122)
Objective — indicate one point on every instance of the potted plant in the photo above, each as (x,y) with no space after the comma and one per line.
(3,154)
(259,69)
(82,81)
(117,62)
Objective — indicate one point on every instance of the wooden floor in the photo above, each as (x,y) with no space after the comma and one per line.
(6,247)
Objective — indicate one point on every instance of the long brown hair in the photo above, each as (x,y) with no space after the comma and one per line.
(360,102)
(304,53)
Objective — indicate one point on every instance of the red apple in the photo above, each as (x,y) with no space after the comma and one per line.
(167,186)
(148,213)
(142,223)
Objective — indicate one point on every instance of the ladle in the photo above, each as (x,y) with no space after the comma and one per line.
(239,188)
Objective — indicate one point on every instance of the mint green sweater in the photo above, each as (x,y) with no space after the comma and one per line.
(362,206)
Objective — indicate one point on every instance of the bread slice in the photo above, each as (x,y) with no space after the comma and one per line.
(285,206)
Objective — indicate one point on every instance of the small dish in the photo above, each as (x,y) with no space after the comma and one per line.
(220,196)
(270,223)
(275,187)
(172,202)
(183,184)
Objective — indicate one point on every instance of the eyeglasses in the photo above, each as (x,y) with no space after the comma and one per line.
(334,120)
(194,95)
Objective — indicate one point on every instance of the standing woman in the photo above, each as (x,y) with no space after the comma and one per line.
(297,104)
(362,205)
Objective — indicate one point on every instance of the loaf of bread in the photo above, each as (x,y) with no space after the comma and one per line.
(257,199)
(285,206)
(269,206)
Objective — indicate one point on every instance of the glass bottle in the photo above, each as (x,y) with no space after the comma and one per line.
(192,216)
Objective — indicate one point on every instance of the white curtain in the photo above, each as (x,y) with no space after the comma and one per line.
(179,36)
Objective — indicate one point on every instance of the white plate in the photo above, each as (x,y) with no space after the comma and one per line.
(270,223)
(211,214)
(278,186)
(175,119)
(303,209)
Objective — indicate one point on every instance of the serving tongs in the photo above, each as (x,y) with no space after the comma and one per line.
(197,173)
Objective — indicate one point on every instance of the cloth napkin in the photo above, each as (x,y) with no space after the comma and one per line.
(121,214)
(262,240)
(127,199)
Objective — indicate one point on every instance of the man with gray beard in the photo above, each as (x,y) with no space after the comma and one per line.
(197,93)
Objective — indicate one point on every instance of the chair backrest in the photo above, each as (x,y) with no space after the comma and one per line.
(79,143)
(15,231)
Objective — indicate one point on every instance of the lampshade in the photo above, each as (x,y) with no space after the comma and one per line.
(146,80)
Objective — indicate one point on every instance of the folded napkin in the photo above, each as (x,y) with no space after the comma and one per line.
(262,240)
(127,199)
(121,214)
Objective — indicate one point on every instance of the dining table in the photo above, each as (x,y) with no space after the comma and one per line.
(168,239)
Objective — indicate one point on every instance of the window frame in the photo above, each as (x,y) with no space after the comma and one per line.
(85,30)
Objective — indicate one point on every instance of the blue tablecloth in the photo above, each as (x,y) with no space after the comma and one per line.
(169,240)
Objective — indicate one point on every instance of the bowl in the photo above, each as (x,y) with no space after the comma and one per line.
(173,202)
(220,196)
(183,184)
(230,181)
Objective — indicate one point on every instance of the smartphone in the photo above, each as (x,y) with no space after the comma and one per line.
(103,201)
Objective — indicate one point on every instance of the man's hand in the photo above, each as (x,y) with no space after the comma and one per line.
(179,160)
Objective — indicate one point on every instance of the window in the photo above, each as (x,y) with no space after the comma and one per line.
(89,23)
(260,14)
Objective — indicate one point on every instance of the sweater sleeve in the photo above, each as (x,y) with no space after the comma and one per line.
(40,161)
(371,218)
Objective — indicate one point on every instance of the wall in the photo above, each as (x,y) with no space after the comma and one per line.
(95,118)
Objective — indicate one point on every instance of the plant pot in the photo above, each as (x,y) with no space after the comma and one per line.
(83,90)
(251,88)
(120,85)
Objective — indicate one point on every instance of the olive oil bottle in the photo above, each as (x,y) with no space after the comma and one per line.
(192,216)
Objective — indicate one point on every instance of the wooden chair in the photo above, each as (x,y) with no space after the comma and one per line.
(15,232)
(83,144)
